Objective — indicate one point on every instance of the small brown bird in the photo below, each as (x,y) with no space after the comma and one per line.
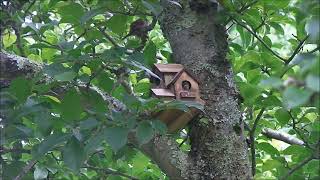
(138,28)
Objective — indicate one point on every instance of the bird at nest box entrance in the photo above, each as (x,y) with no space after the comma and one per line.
(175,83)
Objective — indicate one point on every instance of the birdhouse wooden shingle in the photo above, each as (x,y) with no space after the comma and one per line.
(175,83)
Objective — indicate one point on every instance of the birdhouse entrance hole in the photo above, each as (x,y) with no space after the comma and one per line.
(186,85)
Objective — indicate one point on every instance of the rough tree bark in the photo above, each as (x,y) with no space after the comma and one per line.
(218,148)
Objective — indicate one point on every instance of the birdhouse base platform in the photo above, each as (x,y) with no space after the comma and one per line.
(176,119)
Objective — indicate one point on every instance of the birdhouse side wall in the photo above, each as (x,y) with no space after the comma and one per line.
(161,83)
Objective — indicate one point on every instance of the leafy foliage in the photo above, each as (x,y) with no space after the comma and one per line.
(274,50)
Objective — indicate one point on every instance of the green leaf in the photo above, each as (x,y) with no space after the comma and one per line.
(143,86)
(116,137)
(276,4)
(40,173)
(21,88)
(294,97)
(71,105)
(10,171)
(49,143)
(313,82)
(139,162)
(74,155)
(277,27)
(270,165)
(88,124)
(71,13)
(298,152)
(282,116)
(274,82)
(34,57)
(90,14)
(44,122)
(149,53)
(117,24)
(144,132)
(192,104)
(268,148)
(105,82)
(66,76)
(180,105)
(8,39)
(249,92)
(94,142)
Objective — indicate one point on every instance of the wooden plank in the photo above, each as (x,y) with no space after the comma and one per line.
(169,67)
(163,93)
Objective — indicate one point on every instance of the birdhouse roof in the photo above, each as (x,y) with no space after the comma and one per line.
(169,68)
(163,92)
(176,77)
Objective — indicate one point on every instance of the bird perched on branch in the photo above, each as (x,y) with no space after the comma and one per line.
(138,28)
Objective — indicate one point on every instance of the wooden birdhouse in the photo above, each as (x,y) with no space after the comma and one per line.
(175,83)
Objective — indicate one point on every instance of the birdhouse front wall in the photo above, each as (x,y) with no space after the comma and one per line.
(183,93)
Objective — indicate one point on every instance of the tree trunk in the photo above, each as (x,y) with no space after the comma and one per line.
(199,42)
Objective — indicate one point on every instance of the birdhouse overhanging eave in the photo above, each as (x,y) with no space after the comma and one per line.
(162,92)
(169,68)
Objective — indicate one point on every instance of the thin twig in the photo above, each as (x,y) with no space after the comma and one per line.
(82,34)
(297,50)
(94,75)
(26,169)
(4,150)
(252,141)
(108,37)
(19,43)
(297,167)
(244,8)
(294,127)
(261,24)
(256,121)
(315,49)
(259,39)
(111,171)
(28,8)
(241,10)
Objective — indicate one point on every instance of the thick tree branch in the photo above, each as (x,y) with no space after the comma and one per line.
(111,171)
(163,150)
(282,136)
